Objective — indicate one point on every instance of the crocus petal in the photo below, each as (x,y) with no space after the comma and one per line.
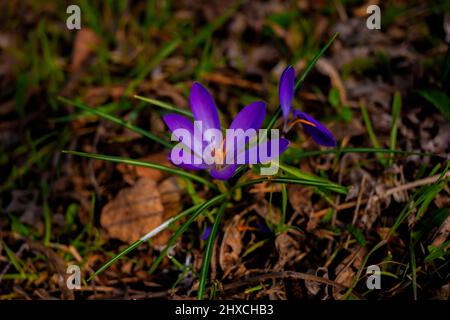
(320,134)
(225,173)
(206,233)
(175,121)
(286,91)
(203,107)
(194,163)
(250,117)
(255,154)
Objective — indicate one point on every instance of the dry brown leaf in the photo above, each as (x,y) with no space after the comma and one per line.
(313,287)
(132,173)
(99,95)
(133,212)
(442,234)
(288,249)
(231,245)
(300,198)
(171,190)
(85,41)
(346,270)
(345,278)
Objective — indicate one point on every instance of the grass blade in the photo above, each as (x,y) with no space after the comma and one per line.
(396,109)
(309,183)
(371,132)
(165,105)
(306,154)
(137,243)
(116,120)
(184,227)
(160,56)
(438,99)
(209,29)
(208,253)
(146,164)
(314,60)
(412,257)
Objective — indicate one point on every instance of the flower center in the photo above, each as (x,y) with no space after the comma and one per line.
(219,154)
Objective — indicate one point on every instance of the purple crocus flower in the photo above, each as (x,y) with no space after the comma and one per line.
(314,128)
(206,115)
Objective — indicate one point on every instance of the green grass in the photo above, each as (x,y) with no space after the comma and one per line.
(396,110)
(146,164)
(208,252)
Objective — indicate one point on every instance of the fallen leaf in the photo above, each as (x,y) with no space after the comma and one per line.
(231,245)
(287,248)
(132,173)
(133,212)
(171,190)
(85,42)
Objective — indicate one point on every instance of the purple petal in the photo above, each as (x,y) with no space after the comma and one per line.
(203,107)
(250,117)
(206,233)
(262,152)
(262,226)
(286,91)
(192,164)
(225,173)
(320,134)
(175,121)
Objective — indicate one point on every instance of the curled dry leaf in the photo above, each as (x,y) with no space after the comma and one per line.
(141,208)
(313,287)
(347,269)
(231,245)
(288,249)
(133,212)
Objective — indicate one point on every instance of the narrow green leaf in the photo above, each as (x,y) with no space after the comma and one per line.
(165,105)
(116,120)
(438,99)
(208,252)
(183,228)
(154,62)
(306,154)
(142,240)
(412,256)
(311,183)
(314,60)
(396,109)
(209,29)
(146,164)
(284,201)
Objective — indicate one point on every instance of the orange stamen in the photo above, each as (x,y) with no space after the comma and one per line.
(302,121)
(220,152)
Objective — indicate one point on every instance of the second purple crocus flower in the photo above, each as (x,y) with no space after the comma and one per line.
(314,128)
